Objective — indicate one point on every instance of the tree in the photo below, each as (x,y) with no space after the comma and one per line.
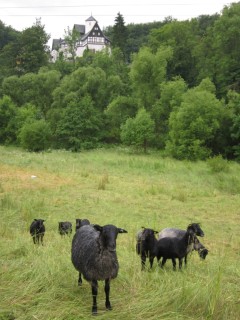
(117,112)
(171,98)
(85,81)
(181,37)
(71,37)
(7,126)
(148,71)
(33,88)
(193,126)
(119,36)
(138,131)
(80,125)
(35,136)
(32,50)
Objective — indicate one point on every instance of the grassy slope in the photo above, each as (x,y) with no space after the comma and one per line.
(130,191)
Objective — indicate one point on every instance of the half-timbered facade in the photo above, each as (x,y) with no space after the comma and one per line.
(91,37)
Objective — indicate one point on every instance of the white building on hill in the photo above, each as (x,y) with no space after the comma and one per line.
(91,37)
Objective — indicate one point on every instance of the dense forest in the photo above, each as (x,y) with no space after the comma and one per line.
(171,85)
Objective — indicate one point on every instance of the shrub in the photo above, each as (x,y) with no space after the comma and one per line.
(218,164)
(35,136)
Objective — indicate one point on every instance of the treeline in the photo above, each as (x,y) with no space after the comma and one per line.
(176,88)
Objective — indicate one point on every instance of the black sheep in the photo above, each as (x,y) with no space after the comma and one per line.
(174,248)
(146,245)
(37,230)
(81,222)
(179,233)
(94,256)
(65,227)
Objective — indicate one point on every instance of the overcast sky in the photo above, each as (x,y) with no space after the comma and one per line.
(58,15)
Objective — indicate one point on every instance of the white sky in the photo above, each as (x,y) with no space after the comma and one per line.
(58,15)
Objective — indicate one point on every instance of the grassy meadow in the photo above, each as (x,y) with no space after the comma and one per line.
(114,186)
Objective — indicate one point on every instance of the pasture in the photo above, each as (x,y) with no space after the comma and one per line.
(113,186)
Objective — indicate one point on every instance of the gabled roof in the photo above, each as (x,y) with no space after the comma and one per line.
(80,28)
(91,19)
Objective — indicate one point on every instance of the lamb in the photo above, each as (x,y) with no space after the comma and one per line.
(174,232)
(173,247)
(94,256)
(37,230)
(146,243)
(81,222)
(65,228)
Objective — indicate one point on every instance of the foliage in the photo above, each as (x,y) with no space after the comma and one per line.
(7,127)
(147,72)
(171,95)
(138,131)
(118,111)
(71,37)
(151,65)
(119,34)
(79,125)
(35,136)
(85,81)
(194,124)
(218,164)
(32,52)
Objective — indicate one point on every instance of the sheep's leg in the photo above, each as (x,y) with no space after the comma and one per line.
(107,292)
(80,279)
(143,261)
(185,259)
(94,296)
(163,262)
(174,264)
(151,258)
(180,264)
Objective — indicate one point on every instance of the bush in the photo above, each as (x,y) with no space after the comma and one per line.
(35,136)
(218,164)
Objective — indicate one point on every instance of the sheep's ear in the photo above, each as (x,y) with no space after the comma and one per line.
(143,227)
(35,219)
(120,230)
(155,231)
(97,227)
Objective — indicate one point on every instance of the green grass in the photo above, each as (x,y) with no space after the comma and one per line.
(130,191)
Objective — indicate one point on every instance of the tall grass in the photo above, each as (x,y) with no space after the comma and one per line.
(114,186)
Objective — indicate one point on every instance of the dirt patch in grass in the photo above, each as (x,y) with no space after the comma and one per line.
(16,179)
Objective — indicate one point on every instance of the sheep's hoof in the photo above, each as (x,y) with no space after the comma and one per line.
(109,307)
(94,311)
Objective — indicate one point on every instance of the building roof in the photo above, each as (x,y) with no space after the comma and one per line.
(91,19)
(80,28)
(56,44)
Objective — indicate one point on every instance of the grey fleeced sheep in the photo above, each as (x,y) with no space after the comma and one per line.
(175,248)
(199,247)
(179,233)
(65,227)
(94,256)
(37,230)
(81,222)
(146,245)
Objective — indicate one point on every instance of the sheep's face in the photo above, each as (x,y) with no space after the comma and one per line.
(195,227)
(203,253)
(39,222)
(148,234)
(81,222)
(197,244)
(109,235)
